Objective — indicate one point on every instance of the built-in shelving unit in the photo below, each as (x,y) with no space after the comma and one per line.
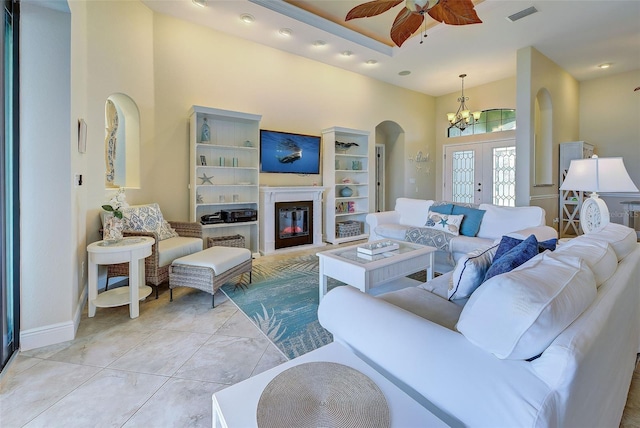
(224,171)
(571,200)
(345,164)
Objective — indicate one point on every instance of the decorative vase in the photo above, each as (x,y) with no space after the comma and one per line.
(346,192)
(205,132)
(112,229)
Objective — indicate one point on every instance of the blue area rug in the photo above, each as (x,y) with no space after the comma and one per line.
(283,301)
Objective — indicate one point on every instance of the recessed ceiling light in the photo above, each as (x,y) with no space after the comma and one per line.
(319,43)
(372,62)
(347,53)
(404,73)
(605,65)
(201,3)
(247,18)
(285,32)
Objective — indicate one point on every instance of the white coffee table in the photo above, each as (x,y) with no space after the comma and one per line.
(132,250)
(347,265)
(236,406)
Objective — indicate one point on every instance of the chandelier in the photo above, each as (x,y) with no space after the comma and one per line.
(462,117)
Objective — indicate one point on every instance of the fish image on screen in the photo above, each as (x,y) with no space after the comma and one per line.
(284,152)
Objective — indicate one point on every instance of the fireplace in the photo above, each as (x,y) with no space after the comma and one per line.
(294,224)
(302,229)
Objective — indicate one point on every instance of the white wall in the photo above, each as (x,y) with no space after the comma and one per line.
(498,94)
(48,285)
(535,72)
(610,120)
(196,65)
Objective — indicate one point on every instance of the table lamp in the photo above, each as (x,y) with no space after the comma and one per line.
(597,175)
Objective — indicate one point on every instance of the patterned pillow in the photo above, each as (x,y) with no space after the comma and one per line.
(147,218)
(444,222)
(469,272)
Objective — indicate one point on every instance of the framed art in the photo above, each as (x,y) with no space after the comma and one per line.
(203,160)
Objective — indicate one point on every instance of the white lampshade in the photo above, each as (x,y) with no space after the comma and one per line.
(598,175)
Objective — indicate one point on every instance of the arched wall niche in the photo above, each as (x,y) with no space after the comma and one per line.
(392,136)
(122,142)
(543,139)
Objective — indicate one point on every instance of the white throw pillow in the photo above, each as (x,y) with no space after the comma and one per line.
(445,222)
(413,212)
(598,255)
(469,272)
(518,314)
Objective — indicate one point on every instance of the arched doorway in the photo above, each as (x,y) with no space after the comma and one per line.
(390,160)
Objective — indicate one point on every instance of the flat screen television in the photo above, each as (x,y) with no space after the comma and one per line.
(283,152)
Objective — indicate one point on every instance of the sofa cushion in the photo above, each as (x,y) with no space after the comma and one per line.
(413,212)
(517,315)
(471,221)
(147,218)
(392,231)
(498,221)
(623,239)
(444,222)
(466,244)
(426,305)
(173,248)
(469,272)
(598,255)
(513,258)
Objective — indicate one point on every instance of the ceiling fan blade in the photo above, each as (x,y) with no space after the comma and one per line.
(405,25)
(455,12)
(371,8)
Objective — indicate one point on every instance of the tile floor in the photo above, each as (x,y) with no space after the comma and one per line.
(158,370)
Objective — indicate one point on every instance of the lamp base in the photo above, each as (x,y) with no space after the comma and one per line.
(594,214)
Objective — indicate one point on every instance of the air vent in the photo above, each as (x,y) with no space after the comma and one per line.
(519,15)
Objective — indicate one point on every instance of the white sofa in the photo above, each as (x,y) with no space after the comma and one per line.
(496,222)
(582,374)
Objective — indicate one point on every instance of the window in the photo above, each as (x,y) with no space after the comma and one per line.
(495,120)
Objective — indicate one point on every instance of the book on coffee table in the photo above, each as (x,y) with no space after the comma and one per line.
(378,247)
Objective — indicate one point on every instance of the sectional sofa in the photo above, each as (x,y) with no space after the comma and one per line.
(480,226)
(551,343)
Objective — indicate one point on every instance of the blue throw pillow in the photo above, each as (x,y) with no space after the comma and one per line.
(441,209)
(513,258)
(507,243)
(471,221)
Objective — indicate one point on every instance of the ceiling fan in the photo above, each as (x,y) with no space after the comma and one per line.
(453,12)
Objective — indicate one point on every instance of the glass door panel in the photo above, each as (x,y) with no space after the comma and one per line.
(481,173)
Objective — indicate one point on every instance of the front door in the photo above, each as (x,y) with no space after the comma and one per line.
(481,173)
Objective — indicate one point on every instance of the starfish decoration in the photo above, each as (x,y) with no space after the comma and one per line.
(452,12)
(205,179)
(443,221)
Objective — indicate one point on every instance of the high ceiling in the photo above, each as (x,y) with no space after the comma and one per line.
(578,35)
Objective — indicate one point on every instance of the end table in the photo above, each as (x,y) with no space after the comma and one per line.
(134,250)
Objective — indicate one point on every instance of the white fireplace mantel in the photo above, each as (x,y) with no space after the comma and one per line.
(268,198)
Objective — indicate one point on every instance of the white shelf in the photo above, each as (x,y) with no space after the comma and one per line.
(361,153)
(119,296)
(570,201)
(237,175)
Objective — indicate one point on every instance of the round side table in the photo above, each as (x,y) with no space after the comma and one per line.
(134,250)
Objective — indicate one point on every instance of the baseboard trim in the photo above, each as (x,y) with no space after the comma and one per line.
(54,333)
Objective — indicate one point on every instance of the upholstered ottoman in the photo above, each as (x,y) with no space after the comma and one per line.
(209,269)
